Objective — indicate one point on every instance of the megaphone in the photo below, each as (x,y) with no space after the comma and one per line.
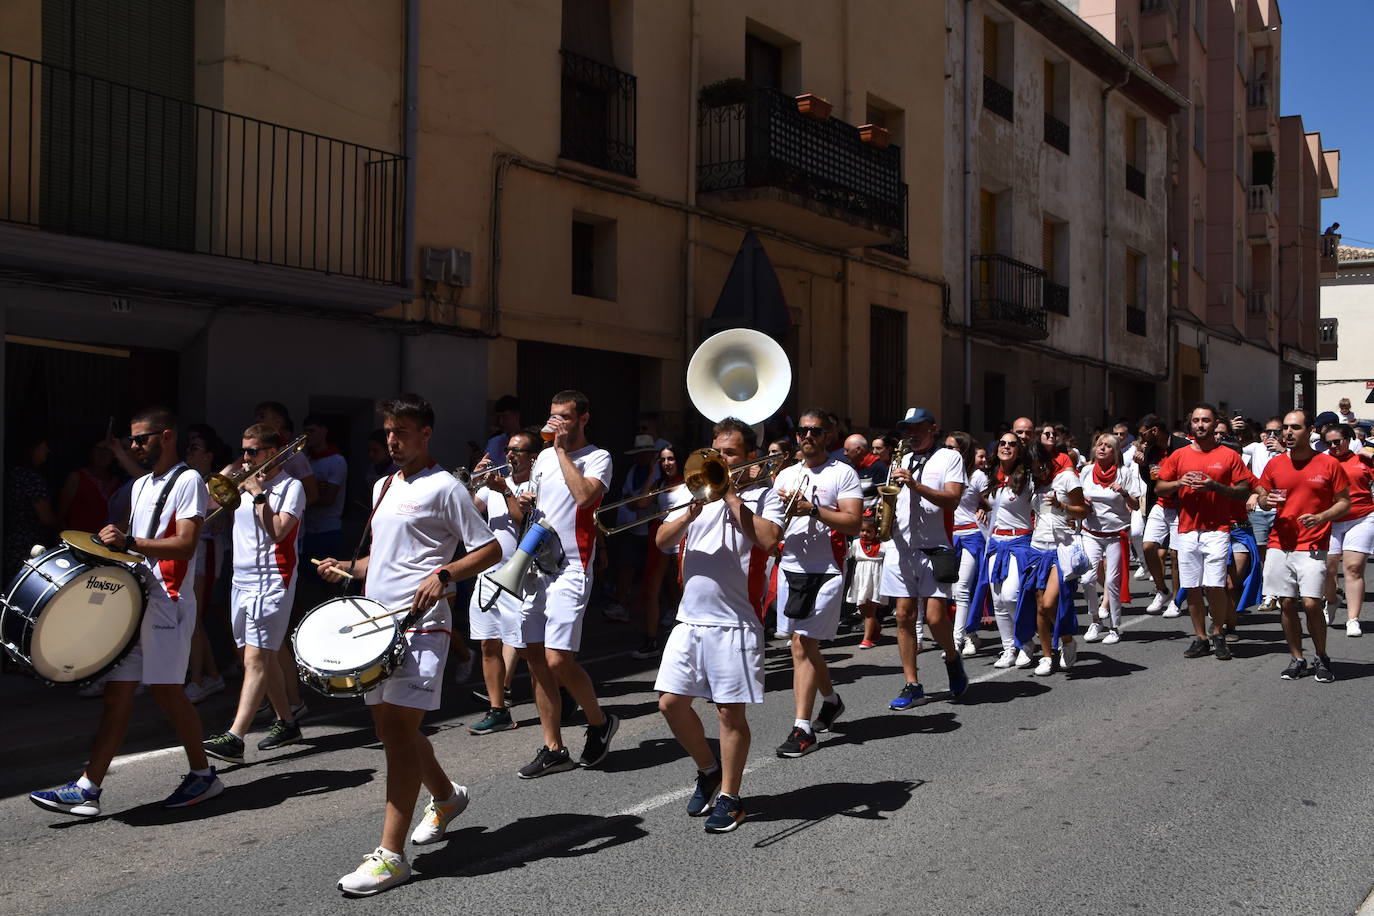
(739,373)
(511,576)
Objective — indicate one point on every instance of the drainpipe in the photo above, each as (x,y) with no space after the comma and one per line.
(689,259)
(1107,256)
(410,142)
(966,249)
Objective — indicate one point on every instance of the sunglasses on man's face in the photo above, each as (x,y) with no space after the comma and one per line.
(140,438)
(803,431)
(253,452)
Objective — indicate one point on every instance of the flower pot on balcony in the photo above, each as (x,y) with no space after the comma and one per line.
(813,106)
(875,136)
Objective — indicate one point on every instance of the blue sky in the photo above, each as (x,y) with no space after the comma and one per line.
(1328,78)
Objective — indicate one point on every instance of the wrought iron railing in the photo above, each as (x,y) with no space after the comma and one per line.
(598,116)
(1008,296)
(1135,180)
(1328,331)
(1257,92)
(762,140)
(91,157)
(1056,133)
(1056,298)
(998,99)
(1135,320)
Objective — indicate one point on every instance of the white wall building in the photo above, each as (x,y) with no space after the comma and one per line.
(1346,334)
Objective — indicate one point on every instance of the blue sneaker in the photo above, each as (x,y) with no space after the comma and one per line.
(728,814)
(194,790)
(958,680)
(69,799)
(912,695)
(708,784)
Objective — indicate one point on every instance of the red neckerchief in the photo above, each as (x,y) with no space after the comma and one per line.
(1001,478)
(870,548)
(868,460)
(1103,478)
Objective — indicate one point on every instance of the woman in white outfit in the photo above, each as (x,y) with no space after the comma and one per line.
(1058,504)
(970,539)
(1112,489)
(1008,564)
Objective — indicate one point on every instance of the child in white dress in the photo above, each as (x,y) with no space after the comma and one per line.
(867,552)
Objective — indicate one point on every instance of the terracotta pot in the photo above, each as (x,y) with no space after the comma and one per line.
(813,106)
(874,135)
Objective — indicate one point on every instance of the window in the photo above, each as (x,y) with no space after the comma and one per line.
(1134,142)
(1133,291)
(1057,105)
(994,222)
(887,365)
(1054,254)
(762,63)
(887,116)
(593,257)
(994,399)
(998,98)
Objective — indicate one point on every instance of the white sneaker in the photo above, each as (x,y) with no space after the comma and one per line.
(1023,658)
(1068,654)
(1112,638)
(1045,668)
(1157,603)
(1103,612)
(1094,632)
(1270,603)
(378,871)
(438,815)
(1006,659)
(1141,573)
(970,648)
(1172,610)
(1352,628)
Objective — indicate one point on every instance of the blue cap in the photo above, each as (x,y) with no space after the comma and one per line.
(916,415)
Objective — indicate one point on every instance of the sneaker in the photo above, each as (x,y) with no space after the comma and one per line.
(1157,603)
(647,649)
(1112,638)
(1352,628)
(1103,612)
(438,815)
(225,746)
(1270,603)
(1068,654)
(958,679)
(378,871)
(1197,648)
(194,790)
(708,784)
(1297,668)
(92,691)
(828,713)
(799,742)
(727,815)
(970,647)
(546,762)
(69,799)
(1321,670)
(280,734)
(912,695)
(867,644)
(1142,573)
(1006,659)
(616,613)
(1045,668)
(208,687)
(1220,651)
(598,743)
(1172,611)
(1094,632)
(1231,635)
(1023,659)
(497,719)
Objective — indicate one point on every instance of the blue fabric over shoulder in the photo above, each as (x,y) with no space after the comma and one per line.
(996,566)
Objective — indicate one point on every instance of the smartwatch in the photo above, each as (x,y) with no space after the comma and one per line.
(444,575)
(259,499)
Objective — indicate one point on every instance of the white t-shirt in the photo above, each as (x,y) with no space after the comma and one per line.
(298,466)
(966,512)
(1256,456)
(807,546)
(1107,510)
(319,518)
(555,507)
(717,561)
(635,481)
(920,523)
(416,528)
(1052,525)
(1011,510)
(499,519)
(259,564)
(187,499)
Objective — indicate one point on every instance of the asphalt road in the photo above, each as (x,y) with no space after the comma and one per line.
(1144,782)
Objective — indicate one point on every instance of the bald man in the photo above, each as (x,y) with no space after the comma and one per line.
(1024,429)
(871,469)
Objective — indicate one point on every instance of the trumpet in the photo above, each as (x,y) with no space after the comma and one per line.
(706,476)
(227,490)
(466,476)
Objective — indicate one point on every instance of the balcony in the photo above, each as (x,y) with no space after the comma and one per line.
(1135,321)
(102,181)
(1056,133)
(1135,180)
(1261,219)
(1159,32)
(998,99)
(1056,298)
(1257,303)
(1008,298)
(1329,262)
(1259,118)
(1328,338)
(598,115)
(762,161)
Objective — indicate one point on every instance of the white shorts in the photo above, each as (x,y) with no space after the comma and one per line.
(553,614)
(720,664)
(490,624)
(261,619)
(1295,574)
(1202,558)
(908,574)
(824,620)
(163,649)
(1356,535)
(420,679)
(1161,525)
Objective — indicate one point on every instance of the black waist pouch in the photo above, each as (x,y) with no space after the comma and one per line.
(944,562)
(802,590)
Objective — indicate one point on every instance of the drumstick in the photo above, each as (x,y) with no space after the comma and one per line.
(337,569)
(348,627)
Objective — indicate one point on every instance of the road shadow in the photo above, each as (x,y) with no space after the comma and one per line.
(1097,664)
(479,851)
(890,725)
(815,804)
(647,755)
(265,792)
(1002,691)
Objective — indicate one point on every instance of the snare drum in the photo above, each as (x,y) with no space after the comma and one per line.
(69,616)
(340,657)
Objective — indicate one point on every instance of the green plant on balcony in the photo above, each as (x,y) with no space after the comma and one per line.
(732,91)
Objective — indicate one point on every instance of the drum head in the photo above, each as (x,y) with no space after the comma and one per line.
(321,647)
(86,542)
(87,624)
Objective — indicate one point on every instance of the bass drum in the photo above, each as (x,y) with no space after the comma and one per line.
(340,656)
(68,617)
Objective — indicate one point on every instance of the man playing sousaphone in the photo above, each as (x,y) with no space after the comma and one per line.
(421,517)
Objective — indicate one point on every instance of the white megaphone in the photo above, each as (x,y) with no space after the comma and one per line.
(512,574)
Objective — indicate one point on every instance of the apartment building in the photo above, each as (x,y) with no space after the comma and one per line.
(1345,333)
(1057,164)
(213,203)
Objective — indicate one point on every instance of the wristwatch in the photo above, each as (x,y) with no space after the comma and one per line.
(444,575)
(259,499)
(815,512)
(129,543)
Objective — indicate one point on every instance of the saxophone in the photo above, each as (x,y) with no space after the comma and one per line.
(887,495)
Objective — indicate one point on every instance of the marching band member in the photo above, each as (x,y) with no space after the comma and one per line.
(1112,490)
(421,516)
(824,502)
(716,649)
(168,509)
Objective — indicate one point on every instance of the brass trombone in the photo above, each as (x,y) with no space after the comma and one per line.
(706,476)
(227,489)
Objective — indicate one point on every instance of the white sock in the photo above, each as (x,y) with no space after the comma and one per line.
(394,855)
(204,772)
(228,731)
(713,768)
(833,698)
(803,724)
(86,784)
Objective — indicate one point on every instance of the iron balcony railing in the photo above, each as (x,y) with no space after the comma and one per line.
(1056,133)
(1135,180)
(998,99)
(1331,245)
(899,248)
(1008,297)
(1328,338)
(91,157)
(1056,298)
(761,140)
(1135,320)
(598,116)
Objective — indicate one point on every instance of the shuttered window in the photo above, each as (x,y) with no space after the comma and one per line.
(990,39)
(887,366)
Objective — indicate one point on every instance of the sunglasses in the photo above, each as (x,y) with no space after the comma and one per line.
(253,452)
(141,438)
(516,451)
(1009,443)
(817,431)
